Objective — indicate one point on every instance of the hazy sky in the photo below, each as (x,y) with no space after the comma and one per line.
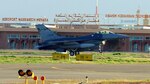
(48,8)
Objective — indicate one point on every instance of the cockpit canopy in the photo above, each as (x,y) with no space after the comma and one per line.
(105,32)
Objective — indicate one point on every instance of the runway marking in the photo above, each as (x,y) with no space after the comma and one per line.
(56,68)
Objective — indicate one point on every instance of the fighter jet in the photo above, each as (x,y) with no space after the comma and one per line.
(52,41)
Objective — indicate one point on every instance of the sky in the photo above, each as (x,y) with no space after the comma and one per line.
(48,8)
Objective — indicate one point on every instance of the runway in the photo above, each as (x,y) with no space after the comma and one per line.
(78,71)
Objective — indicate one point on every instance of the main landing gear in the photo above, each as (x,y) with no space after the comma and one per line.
(72,52)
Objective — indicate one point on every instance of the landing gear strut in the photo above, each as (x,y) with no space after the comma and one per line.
(100,48)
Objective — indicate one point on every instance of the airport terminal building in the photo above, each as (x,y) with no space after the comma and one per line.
(14,36)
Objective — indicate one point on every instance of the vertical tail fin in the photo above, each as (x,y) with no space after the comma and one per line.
(45,33)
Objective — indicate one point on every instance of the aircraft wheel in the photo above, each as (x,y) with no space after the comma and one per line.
(77,53)
(71,53)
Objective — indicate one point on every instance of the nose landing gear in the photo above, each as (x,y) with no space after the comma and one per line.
(74,52)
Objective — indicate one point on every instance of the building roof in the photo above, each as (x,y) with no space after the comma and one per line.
(122,31)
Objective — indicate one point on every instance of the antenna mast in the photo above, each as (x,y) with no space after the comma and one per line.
(97,12)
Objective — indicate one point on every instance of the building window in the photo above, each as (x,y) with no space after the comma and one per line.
(13,36)
(24,36)
(34,44)
(24,45)
(34,37)
(146,47)
(135,47)
(13,45)
(147,38)
(136,38)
